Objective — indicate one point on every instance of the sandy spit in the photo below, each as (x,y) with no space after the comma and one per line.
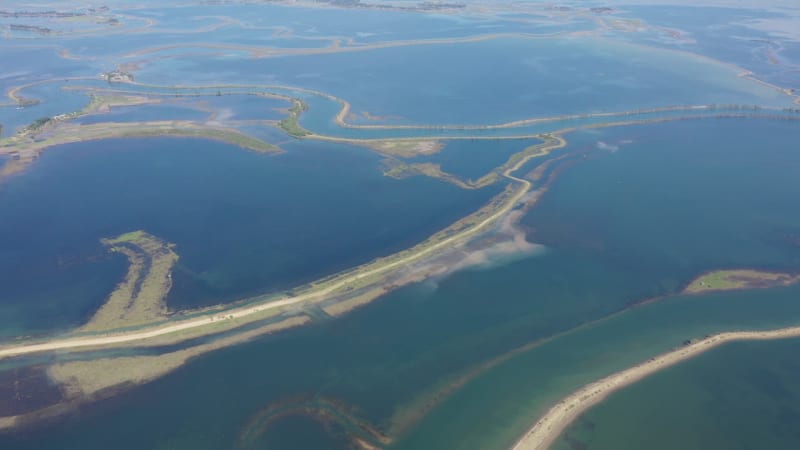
(550,426)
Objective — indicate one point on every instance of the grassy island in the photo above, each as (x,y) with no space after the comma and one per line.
(139,298)
(291,124)
(400,171)
(731,280)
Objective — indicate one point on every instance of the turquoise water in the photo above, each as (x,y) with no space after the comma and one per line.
(303,434)
(740,396)
(498,407)
(244,223)
(381,358)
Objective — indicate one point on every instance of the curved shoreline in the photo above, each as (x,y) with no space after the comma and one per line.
(340,118)
(426,248)
(329,287)
(547,429)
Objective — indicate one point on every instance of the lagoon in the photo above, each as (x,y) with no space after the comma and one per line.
(244,223)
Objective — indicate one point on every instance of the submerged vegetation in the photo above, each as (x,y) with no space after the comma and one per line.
(140,297)
(400,170)
(330,412)
(88,380)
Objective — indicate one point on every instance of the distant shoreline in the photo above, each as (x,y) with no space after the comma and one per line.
(547,429)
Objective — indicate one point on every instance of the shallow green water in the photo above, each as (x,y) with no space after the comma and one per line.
(743,395)
(497,408)
(641,208)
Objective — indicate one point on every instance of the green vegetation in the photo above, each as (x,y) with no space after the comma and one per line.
(339,287)
(39,123)
(327,410)
(730,280)
(101,103)
(139,298)
(224,135)
(27,146)
(131,237)
(90,379)
(291,124)
(400,170)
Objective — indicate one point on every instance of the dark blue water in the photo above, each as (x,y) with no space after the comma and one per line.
(243,222)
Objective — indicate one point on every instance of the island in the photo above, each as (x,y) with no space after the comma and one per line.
(738,279)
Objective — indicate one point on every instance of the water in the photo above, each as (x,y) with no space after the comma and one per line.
(672,217)
(238,102)
(247,107)
(473,159)
(497,408)
(384,359)
(150,112)
(437,84)
(244,223)
(634,220)
(728,34)
(742,395)
(672,196)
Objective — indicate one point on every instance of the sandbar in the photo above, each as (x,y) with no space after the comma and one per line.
(739,279)
(550,426)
